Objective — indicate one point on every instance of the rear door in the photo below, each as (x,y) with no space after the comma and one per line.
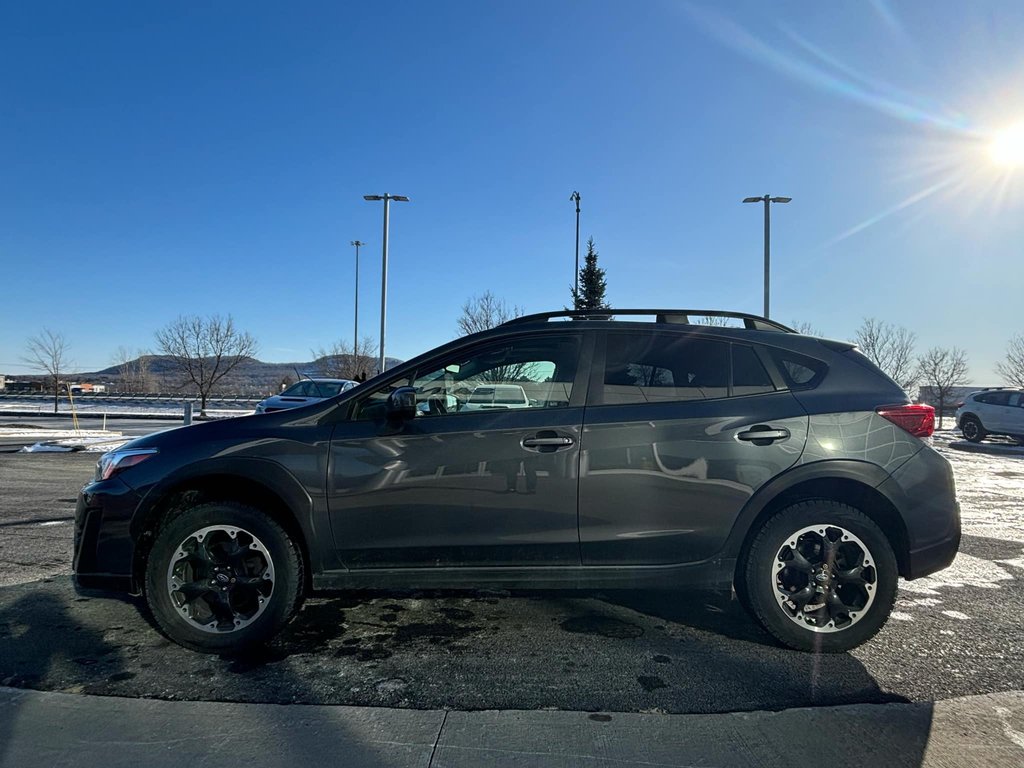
(670,446)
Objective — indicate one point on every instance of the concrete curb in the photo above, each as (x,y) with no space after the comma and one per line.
(40,728)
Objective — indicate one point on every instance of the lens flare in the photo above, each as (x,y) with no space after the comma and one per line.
(1007,147)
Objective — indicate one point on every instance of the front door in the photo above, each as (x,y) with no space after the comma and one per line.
(486,472)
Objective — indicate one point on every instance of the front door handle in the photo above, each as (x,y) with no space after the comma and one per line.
(546,441)
(762,434)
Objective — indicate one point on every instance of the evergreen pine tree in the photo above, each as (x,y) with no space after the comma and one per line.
(592,283)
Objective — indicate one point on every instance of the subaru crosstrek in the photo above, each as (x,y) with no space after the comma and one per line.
(659,454)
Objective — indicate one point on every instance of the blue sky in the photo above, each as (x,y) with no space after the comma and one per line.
(187,158)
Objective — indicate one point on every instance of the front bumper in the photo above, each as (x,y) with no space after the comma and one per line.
(103,548)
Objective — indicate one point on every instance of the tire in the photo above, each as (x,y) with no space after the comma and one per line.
(856,593)
(972,429)
(222,578)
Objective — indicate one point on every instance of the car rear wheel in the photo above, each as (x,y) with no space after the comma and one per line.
(820,576)
(972,429)
(223,577)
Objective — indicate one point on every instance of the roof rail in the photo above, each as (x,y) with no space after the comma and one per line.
(673,316)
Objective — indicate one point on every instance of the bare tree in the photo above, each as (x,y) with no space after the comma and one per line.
(480,313)
(943,369)
(337,360)
(804,327)
(716,321)
(891,348)
(205,350)
(48,352)
(133,370)
(1012,368)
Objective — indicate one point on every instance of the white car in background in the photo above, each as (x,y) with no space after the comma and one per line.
(992,412)
(492,396)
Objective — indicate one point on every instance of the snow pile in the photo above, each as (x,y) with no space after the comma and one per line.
(64,440)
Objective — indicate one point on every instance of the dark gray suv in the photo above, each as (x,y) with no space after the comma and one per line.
(659,454)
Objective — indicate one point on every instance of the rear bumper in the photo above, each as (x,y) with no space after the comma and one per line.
(924,493)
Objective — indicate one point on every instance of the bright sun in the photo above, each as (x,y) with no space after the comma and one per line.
(1007,147)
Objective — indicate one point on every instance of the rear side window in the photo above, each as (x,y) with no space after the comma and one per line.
(748,374)
(658,367)
(994,398)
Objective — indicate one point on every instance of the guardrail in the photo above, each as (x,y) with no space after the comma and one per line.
(124,398)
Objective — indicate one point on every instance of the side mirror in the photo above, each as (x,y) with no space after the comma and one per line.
(401,404)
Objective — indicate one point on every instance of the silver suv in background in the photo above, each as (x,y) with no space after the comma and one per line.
(992,412)
(305,392)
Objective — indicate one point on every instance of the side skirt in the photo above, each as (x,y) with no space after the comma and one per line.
(708,574)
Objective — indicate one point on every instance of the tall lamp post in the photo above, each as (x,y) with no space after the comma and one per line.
(575,197)
(384,267)
(355,324)
(767,200)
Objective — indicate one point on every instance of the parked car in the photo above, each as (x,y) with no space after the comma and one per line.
(657,454)
(497,396)
(997,411)
(305,392)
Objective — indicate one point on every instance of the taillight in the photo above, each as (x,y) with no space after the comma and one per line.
(918,420)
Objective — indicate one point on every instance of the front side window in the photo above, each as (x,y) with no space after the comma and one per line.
(533,372)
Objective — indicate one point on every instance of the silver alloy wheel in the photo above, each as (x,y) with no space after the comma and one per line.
(824,578)
(220,578)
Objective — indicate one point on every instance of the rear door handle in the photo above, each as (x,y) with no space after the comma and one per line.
(762,434)
(546,441)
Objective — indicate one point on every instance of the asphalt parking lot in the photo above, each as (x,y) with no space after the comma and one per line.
(953,634)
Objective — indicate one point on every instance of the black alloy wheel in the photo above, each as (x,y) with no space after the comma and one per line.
(223,577)
(972,429)
(820,576)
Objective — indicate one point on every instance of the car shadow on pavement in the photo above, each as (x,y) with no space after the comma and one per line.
(629,652)
(42,644)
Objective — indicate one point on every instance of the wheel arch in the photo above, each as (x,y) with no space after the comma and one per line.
(262,484)
(848,482)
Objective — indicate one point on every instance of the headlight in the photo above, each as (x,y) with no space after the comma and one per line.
(118,461)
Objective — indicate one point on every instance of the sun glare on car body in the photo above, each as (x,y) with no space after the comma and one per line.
(1007,147)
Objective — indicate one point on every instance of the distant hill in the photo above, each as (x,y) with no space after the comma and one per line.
(250,377)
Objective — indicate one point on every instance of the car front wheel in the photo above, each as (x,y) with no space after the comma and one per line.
(223,577)
(820,576)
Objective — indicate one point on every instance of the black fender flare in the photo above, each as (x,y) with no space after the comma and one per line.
(863,472)
(258,471)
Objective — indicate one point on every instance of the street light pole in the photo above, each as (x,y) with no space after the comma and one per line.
(767,200)
(387,198)
(575,197)
(355,323)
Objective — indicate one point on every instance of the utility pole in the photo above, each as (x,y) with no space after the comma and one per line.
(387,198)
(575,197)
(355,333)
(767,200)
